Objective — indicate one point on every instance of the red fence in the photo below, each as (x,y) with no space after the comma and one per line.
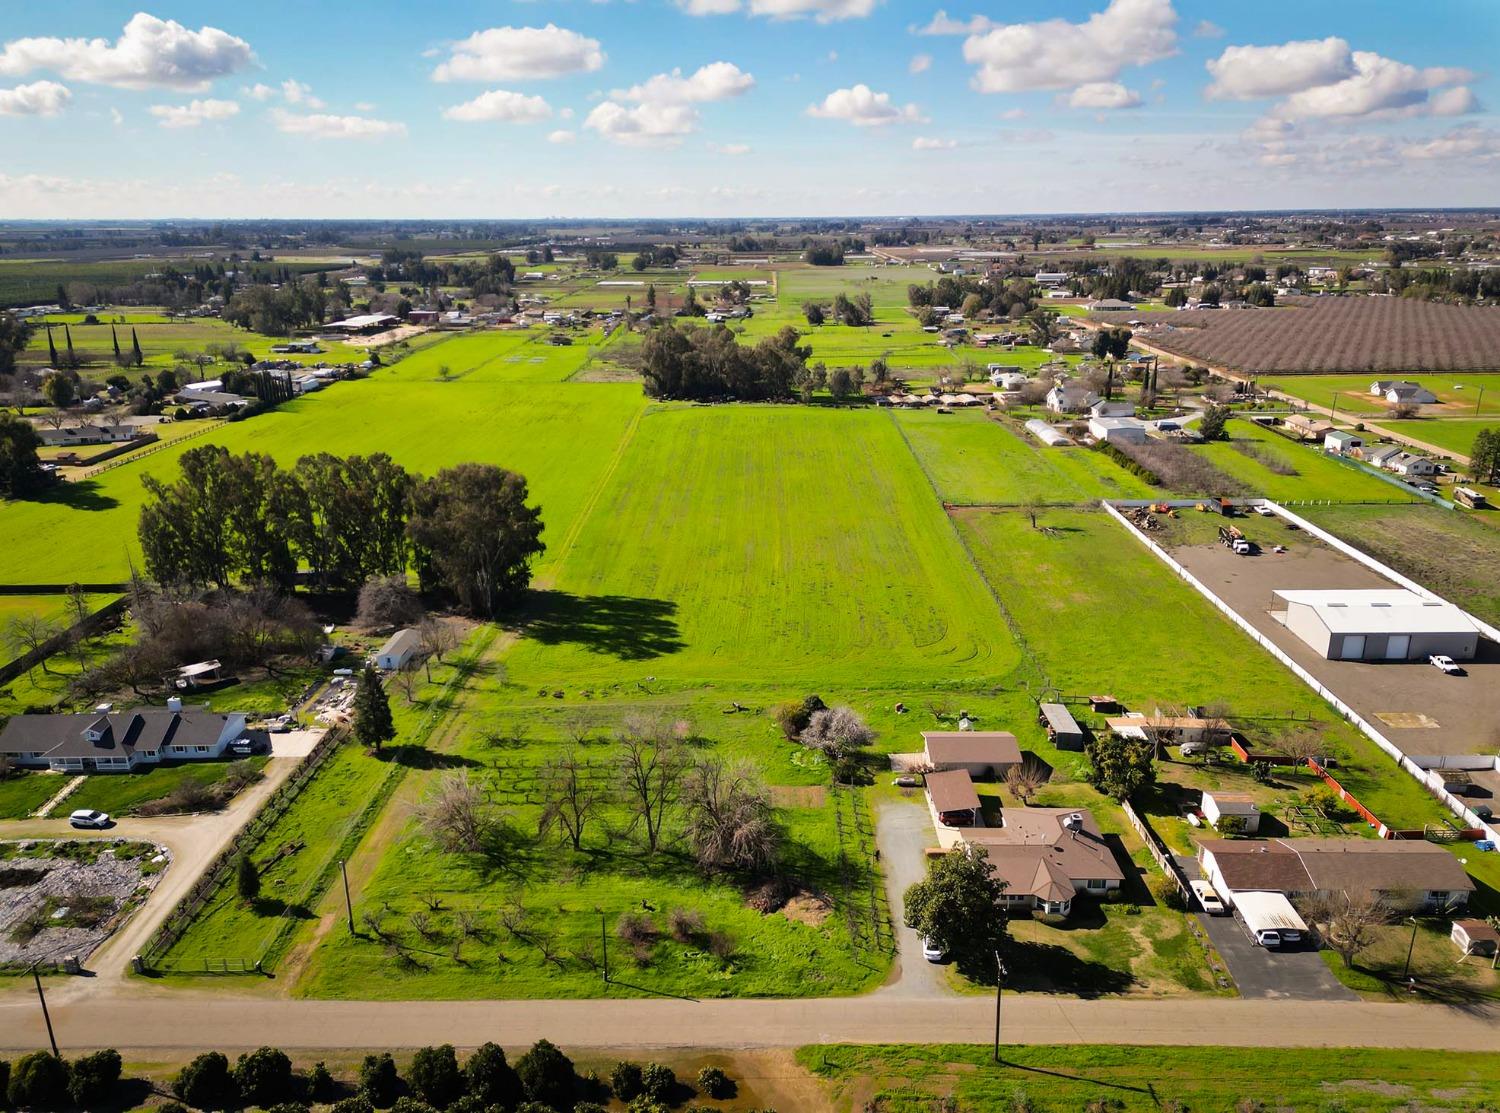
(1348,797)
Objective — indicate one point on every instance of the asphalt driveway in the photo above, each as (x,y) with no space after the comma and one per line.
(1295,975)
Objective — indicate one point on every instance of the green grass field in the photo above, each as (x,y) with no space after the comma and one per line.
(1276,468)
(560,436)
(1458,393)
(764,543)
(1455,435)
(973,460)
(122,793)
(53,608)
(914,1079)
(1451,553)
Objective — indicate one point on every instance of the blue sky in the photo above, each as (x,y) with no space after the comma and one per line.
(577,108)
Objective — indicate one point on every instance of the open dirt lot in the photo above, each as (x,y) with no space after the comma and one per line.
(1458,714)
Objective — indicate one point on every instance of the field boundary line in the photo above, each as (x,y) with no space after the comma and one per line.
(570,538)
(1027,654)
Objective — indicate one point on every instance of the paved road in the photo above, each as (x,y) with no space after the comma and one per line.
(194,841)
(902,832)
(147,1019)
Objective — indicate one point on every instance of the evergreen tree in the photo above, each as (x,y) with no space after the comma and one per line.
(135,349)
(51,349)
(372,711)
(72,358)
(115,337)
(1484,459)
(246,878)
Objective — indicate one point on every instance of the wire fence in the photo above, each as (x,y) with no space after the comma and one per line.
(159,446)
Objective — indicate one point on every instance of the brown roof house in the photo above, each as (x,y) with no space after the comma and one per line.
(1046,857)
(981,753)
(118,741)
(1406,874)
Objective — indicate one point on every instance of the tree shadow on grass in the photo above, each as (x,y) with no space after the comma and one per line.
(275,906)
(81,495)
(1436,987)
(420,757)
(623,626)
(1050,968)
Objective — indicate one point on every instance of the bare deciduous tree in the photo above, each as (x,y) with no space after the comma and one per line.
(730,822)
(1350,921)
(573,794)
(436,637)
(28,633)
(651,768)
(406,680)
(387,601)
(1025,779)
(456,815)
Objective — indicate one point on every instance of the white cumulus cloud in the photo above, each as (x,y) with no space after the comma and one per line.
(294,92)
(930,143)
(500,105)
(561,136)
(324,126)
(40,98)
(1056,54)
(258,91)
(648,124)
(824,11)
(1258,72)
(942,23)
(713,82)
(1104,94)
(193,113)
(519,54)
(150,53)
(863,107)
(920,63)
(1461,143)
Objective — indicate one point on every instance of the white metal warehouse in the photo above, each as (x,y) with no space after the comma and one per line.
(1377,625)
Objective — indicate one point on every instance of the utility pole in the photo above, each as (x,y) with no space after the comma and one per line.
(1410,947)
(348,904)
(999,990)
(47,1017)
(1333,410)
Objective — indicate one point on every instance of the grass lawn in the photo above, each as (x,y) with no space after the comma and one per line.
(121,793)
(1457,392)
(1381,973)
(53,608)
(974,460)
(561,436)
(1455,435)
(1453,554)
(1120,1077)
(1276,468)
(44,688)
(23,793)
(764,543)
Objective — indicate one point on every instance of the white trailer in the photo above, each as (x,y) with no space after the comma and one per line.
(1270,917)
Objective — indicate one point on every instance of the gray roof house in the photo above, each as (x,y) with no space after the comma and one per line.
(118,741)
(399,650)
(1070,398)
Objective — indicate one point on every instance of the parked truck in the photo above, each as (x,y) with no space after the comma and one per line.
(1270,919)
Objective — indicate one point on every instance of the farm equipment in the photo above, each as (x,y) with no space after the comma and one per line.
(1232,538)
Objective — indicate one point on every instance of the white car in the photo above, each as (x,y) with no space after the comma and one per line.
(931,951)
(1446,664)
(1208,898)
(1265,512)
(89,820)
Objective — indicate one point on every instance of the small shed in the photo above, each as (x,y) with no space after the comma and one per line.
(1062,728)
(1242,812)
(1341,442)
(399,650)
(1475,937)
